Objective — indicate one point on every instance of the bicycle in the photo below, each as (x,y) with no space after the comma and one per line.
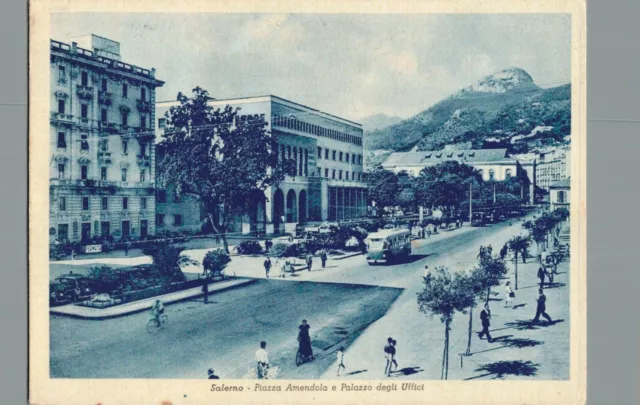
(153,326)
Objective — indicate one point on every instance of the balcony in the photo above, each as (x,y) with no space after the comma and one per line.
(144,161)
(84,92)
(144,106)
(62,118)
(105,98)
(105,157)
(109,127)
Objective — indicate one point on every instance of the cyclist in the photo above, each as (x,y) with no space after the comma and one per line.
(157,309)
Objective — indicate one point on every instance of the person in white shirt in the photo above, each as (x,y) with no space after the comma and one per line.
(340,357)
(509,294)
(262,359)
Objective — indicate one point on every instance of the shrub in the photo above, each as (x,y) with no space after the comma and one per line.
(280,250)
(249,247)
(104,279)
(215,261)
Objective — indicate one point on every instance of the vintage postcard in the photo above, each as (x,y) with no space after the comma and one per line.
(307,202)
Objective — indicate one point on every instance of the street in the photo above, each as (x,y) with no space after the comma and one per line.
(351,304)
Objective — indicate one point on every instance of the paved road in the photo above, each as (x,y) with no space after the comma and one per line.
(225,334)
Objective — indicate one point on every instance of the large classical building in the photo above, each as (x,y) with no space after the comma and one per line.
(102,168)
(493,164)
(328,153)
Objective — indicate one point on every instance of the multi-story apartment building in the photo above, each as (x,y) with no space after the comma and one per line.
(102,168)
(554,165)
(328,154)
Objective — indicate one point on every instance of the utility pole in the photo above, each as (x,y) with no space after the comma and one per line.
(494,193)
(470,205)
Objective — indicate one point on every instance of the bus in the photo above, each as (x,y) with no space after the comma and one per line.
(388,245)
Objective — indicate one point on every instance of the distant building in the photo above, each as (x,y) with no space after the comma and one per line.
(553,165)
(102,168)
(493,164)
(560,194)
(328,153)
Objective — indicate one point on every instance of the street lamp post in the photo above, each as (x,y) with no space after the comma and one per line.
(470,205)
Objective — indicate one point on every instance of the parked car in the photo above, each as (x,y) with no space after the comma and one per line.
(479,219)
(78,286)
(59,294)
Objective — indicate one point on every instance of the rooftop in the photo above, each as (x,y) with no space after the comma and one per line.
(434,157)
(566,183)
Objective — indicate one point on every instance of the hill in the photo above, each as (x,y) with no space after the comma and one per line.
(505,109)
(378,121)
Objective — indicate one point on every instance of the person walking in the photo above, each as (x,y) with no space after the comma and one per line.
(541,274)
(262,360)
(387,357)
(267,245)
(267,267)
(489,250)
(323,258)
(509,294)
(393,354)
(212,376)
(503,252)
(427,274)
(480,252)
(485,316)
(309,260)
(428,232)
(541,307)
(340,357)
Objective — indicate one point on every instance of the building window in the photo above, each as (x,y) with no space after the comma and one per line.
(124,174)
(104,85)
(143,176)
(561,198)
(61,170)
(103,173)
(84,170)
(143,121)
(62,141)
(105,203)
(124,118)
(346,175)
(104,145)
(125,90)
(326,173)
(143,203)
(346,158)
(507,173)
(161,196)
(326,154)
(159,219)
(84,79)
(62,76)
(143,149)
(340,156)
(319,152)
(60,106)
(353,176)
(162,122)
(105,228)
(333,173)
(143,94)
(84,141)
(319,172)
(492,174)
(340,175)
(177,219)
(63,232)
(125,203)
(84,111)
(353,158)
(334,155)
(62,203)
(103,115)
(85,203)
(125,147)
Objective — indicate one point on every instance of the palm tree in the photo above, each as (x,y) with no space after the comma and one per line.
(518,244)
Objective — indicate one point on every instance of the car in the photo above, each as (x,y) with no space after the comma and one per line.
(58,294)
(77,286)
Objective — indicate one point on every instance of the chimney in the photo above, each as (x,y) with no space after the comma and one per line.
(74,47)
(153,72)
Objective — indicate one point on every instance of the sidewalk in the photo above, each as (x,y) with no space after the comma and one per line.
(518,352)
(143,305)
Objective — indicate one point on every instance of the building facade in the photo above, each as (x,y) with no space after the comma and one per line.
(554,165)
(560,194)
(328,154)
(102,168)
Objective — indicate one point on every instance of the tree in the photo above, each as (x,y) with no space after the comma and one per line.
(382,188)
(518,244)
(224,159)
(105,278)
(168,261)
(442,296)
(472,287)
(491,270)
(445,184)
(214,262)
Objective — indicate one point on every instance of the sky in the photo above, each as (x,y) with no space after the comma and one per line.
(350,65)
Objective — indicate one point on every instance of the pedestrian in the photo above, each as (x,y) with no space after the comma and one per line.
(284,268)
(340,357)
(211,375)
(323,258)
(509,294)
(503,252)
(262,360)
(217,239)
(267,245)
(541,307)
(489,250)
(480,253)
(485,316)
(429,233)
(127,245)
(267,266)
(291,238)
(548,271)
(309,261)
(387,357)
(541,274)
(393,354)
(73,254)
(427,274)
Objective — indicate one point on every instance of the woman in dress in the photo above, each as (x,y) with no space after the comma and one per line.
(305,339)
